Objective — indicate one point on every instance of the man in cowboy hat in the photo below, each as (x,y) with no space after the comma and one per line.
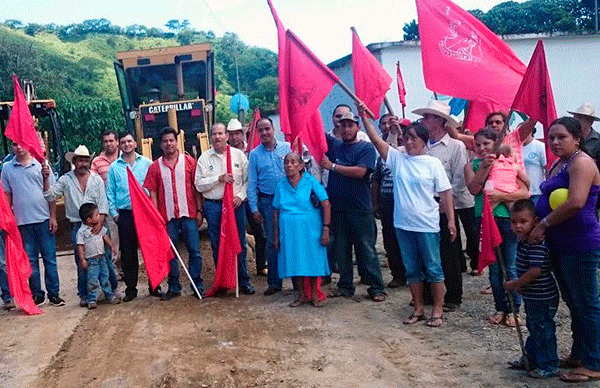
(237,134)
(80,186)
(453,155)
(591,139)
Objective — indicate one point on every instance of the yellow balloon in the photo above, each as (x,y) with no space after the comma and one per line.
(557,197)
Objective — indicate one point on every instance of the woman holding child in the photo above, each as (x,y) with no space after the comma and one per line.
(573,238)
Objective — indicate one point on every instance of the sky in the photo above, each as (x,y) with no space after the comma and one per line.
(323,25)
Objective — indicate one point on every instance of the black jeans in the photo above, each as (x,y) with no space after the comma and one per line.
(450,264)
(256,229)
(390,242)
(128,246)
(467,218)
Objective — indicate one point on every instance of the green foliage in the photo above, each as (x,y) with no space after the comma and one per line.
(411,30)
(223,114)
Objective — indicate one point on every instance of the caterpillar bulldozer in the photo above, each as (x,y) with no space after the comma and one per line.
(170,86)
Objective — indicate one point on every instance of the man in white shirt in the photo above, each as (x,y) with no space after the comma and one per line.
(534,157)
(211,176)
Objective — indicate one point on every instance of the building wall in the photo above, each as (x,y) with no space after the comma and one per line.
(573,63)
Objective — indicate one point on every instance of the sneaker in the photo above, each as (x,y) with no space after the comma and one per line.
(156,292)
(91,305)
(9,305)
(247,290)
(395,283)
(129,297)
(271,291)
(56,301)
(114,300)
(170,295)
(82,302)
(39,300)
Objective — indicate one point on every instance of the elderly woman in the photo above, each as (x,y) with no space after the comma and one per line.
(573,237)
(301,231)
(417,177)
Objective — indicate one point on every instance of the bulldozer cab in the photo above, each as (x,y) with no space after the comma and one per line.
(171,86)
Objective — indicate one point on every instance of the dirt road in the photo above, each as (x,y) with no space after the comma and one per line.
(258,341)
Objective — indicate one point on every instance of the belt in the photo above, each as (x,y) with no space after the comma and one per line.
(263,195)
(213,200)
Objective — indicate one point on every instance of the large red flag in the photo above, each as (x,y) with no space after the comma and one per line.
(253,139)
(152,233)
(535,97)
(371,81)
(489,238)
(229,241)
(477,112)
(401,88)
(18,268)
(309,82)
(463,58)
(314,137)
(282,72)
(20,128)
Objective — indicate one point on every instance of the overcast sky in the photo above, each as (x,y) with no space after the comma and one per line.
(323,25)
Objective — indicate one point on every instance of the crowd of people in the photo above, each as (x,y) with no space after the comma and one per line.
(426,181)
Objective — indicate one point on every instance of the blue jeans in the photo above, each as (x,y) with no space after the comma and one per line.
(541,343)
(82,282)
(212,211)
(38,239)
(97,278)
(356,229)
(508,248)
(187,229)
(265,207)
(6,297)
(421,256)
(576,277)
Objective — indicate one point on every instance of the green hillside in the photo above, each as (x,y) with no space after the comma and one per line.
(75,67)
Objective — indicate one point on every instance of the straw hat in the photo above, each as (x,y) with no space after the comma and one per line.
(586,110)
(437,108)
(81,151)
(235,125)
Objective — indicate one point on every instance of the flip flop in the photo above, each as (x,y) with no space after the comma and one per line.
(413,318)
(297,303)
(433,321)
(572,377)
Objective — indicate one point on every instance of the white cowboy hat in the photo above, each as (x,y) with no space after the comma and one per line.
(235,125)
(79,151)
(437,108)
(586,110)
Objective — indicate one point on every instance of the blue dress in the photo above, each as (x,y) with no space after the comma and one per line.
(300,228)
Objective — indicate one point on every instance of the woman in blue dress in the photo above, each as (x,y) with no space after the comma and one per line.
(301,230)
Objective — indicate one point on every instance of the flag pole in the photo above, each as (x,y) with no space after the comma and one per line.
(237,280)
(354,97)
(389,106)
(185,269)
(511,303)
(403,113)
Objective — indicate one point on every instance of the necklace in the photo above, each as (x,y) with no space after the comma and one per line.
(566,164)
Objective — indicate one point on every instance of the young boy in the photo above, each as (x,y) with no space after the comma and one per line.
(540,294)
(90,250)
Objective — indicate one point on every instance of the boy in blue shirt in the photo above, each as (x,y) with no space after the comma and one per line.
(538,287)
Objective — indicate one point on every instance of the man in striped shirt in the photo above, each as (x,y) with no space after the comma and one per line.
(540,294)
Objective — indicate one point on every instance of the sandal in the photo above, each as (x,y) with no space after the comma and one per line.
(486,290)
(541,374)
(317,303)
(512,320)
(435,321)
(336,293)
(378,297)
(497,318)
(414,318)
(297,302)
(578,377)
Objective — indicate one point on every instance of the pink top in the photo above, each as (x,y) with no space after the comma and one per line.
(100,165)
(503,174)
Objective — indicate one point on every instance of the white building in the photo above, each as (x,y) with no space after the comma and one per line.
(573,63)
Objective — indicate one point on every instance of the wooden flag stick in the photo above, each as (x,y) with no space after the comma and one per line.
(403,113)
(353,96)
(389,107)
(185,269)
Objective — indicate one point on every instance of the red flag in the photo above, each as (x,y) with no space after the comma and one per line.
(253,139)
(535,97)
(314,137)
(18,268)
(371,81)
(152,233)
(477,111)
(401,88)
(463,58)
(309,82)
(229,241)
(282,72)
(489,238)
(20,128)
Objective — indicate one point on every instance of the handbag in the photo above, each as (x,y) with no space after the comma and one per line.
(314,200)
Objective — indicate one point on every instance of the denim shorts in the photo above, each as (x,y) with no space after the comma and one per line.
(421,256)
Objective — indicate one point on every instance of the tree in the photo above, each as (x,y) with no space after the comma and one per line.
(411,30)
(32,28)
(177,26)
(14,24)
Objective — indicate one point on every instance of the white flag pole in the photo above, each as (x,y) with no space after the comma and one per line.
(185,269)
